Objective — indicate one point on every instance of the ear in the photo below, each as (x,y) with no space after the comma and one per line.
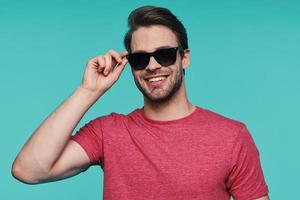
(185,59)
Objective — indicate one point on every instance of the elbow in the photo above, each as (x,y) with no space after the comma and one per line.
(19,173)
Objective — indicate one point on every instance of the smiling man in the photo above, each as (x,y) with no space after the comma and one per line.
(168,149)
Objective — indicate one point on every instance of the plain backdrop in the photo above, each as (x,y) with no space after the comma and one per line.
(245,64)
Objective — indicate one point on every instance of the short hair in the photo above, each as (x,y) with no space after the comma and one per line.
(152,15)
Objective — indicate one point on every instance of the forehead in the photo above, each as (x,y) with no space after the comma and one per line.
(152,37)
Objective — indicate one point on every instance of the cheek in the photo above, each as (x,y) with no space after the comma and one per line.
(134,73)
(137,75)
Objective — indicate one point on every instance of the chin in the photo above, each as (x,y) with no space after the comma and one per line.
(157,99)
(166,92)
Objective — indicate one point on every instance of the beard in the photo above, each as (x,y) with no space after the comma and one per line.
(162,95)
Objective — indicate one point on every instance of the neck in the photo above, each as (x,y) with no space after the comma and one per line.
(178,106)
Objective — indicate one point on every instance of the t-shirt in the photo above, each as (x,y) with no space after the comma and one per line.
(203,156)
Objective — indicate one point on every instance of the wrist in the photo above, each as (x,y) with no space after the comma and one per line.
(88,95)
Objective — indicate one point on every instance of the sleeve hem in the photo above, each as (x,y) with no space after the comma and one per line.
(263,193)
(84,148)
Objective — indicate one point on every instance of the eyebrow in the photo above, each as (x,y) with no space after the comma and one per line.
(157,48)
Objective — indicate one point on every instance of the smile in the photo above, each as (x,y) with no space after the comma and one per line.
(156,81)
(156,78)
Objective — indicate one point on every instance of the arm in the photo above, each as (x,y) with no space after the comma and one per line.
(246,179)
(263,198)
(36,161)
(49,154)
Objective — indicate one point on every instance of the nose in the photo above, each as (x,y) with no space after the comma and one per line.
(153,64)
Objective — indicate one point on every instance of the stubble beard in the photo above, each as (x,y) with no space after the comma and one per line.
(163,95)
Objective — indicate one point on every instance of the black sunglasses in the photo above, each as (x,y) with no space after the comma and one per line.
(164,57)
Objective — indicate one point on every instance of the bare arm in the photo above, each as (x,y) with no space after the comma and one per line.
(263,198)
(49,154)
(45,146)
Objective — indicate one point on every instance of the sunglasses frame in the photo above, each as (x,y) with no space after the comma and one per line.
(149,55)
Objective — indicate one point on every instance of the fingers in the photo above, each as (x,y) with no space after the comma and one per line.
(106,64)
(117,57)
(118,70)
(101,64)
(124,53)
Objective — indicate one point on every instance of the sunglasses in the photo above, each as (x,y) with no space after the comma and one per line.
(164,57)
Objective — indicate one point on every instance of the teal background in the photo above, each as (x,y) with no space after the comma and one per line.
(244,64)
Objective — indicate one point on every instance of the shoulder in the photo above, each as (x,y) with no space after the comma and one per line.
(214,118)
(222,125)
(114,118)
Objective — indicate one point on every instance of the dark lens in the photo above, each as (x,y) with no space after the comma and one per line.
(166,57)
(138,61)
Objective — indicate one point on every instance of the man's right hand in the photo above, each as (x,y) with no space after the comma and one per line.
(103,71)
(49,154)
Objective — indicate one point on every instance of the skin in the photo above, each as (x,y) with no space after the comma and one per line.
(49,154)
(159,94)
(168,101)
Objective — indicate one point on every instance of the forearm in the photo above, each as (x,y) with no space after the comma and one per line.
(46,144)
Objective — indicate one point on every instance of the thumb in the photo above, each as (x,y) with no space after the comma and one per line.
(119,68)
(124,53)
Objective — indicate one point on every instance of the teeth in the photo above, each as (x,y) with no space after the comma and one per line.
(156,79)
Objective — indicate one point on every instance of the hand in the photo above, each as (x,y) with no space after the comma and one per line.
(103,71)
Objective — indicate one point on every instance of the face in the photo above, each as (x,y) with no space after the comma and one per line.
(156,82)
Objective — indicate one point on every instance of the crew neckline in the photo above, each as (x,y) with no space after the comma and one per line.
(141,112)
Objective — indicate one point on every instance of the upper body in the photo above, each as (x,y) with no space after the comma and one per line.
(201,156)
(158,53)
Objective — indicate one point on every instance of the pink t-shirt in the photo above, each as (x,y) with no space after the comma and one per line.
(204,156)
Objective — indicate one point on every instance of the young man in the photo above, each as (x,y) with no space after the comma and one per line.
(169,149)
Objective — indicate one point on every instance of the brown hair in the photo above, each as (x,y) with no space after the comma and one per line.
(151,15)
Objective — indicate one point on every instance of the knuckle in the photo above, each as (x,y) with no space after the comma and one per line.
(89,62)
(111,51)
(105,57)
(101,58)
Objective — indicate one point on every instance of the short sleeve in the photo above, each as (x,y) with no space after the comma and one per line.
(90,138)
(246,180)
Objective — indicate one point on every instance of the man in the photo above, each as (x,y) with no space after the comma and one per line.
(169,149)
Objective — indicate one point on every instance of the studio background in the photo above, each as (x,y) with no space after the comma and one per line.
(244,65)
